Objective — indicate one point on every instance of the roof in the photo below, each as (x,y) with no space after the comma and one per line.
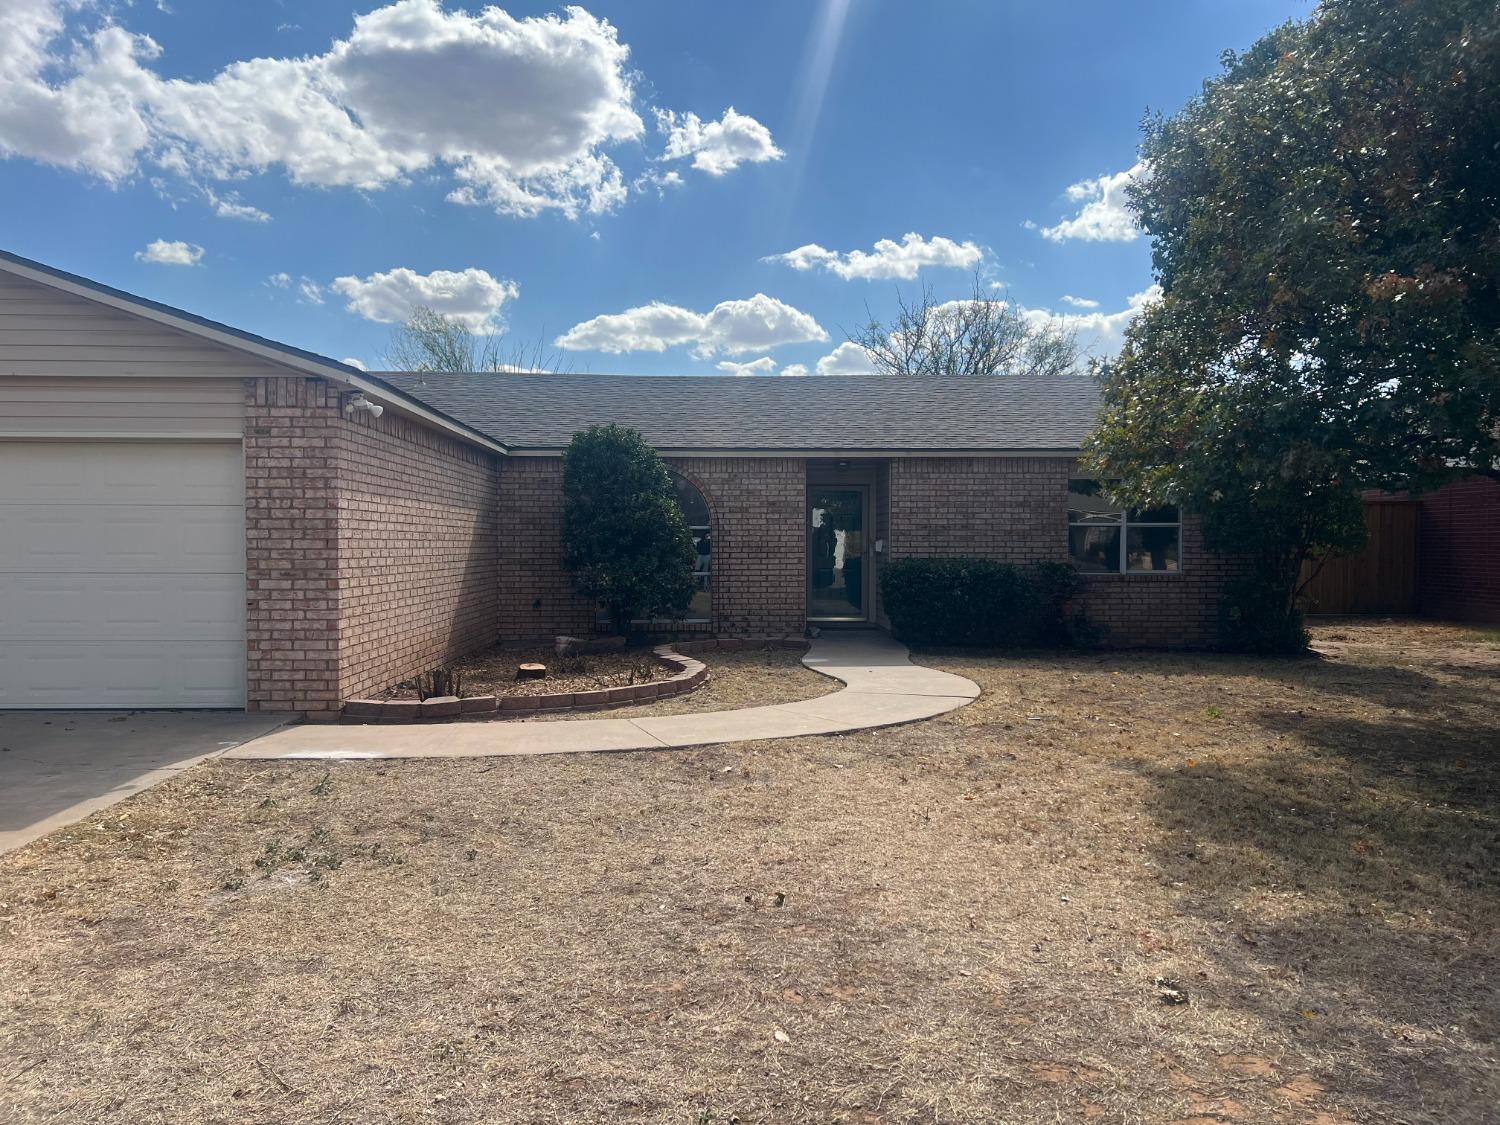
(836,414)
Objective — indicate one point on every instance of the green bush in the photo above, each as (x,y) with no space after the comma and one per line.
(625,541)
(980,602)
(1254,617)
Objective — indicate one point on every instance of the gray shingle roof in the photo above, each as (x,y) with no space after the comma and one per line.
(834,413)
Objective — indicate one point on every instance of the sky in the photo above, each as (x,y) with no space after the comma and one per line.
(643,186)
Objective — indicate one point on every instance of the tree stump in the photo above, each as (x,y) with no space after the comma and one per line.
(531,671)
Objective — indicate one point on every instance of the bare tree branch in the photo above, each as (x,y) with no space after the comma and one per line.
(983,334)
(431,341)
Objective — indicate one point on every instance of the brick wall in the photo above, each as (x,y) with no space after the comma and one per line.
(758,547)
(760,542)
(291,545)
(418,551)
(370,548)
(536,595)
(1014,509)
(1458,551)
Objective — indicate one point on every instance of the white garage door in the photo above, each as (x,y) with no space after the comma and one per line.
(122,574)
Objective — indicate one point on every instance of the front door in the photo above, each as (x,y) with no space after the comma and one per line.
(838,576)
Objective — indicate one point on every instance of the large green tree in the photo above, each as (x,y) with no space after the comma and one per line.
(625,541)
(1325,225)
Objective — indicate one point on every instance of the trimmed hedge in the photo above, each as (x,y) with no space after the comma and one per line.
(980,602)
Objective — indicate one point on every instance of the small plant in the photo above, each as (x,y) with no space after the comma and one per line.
(444,681)
(572,664)
(323,787)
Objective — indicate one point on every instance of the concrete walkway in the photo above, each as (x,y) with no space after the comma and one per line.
(57,767)
(884,688)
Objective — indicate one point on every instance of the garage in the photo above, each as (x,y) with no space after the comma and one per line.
(122,574)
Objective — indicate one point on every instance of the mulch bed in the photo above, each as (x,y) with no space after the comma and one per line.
(494,672)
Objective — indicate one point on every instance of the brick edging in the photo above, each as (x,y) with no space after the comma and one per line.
(691,675)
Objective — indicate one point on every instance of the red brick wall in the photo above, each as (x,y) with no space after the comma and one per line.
(758,553)
(291,545)
(536,595)
(760,542)
(1014,509)
(370,548)
(418,551)
(1458,551)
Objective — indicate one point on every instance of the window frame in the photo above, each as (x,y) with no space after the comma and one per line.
(706,561)
(1123,524)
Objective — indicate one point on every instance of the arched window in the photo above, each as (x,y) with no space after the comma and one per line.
(695,511)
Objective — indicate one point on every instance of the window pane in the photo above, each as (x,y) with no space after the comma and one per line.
(1086,505)
(1167,513)
(1094,549)
(1153,548)
(694,508)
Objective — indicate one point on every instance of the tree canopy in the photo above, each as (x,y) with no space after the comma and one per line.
(983,334)
(625,541)
(1325,225)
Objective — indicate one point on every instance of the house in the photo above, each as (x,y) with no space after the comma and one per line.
(194,516)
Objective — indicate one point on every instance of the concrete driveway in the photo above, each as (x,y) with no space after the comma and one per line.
(57,767)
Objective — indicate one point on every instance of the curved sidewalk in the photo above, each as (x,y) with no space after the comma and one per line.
(883,688)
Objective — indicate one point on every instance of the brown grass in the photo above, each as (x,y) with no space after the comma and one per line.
(754,678)
(963,920)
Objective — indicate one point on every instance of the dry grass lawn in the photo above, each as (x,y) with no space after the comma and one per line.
(980,918)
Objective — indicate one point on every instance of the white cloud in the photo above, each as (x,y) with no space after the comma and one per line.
(846,359)
(731,327)
(472,297)
(164,253)
(311,292)
(1079,302)
(230,207)
(279,280)
(1098,333)
(1105,215)
(765,365)
(518,110)
(646,328)
(718,146)
(350,361)
(888,259)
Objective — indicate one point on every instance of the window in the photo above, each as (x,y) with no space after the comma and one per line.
(695,511)
(1106,539)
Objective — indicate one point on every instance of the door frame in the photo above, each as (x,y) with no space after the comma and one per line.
(867,574)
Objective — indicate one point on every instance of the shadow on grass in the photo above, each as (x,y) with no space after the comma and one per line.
(1354,869)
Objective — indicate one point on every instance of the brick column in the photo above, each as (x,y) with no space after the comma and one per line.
(291,545)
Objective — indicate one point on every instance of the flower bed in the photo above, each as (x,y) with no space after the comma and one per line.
(534,698)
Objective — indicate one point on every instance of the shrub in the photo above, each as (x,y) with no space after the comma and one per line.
(625,541)
(980,602)
(1254,617)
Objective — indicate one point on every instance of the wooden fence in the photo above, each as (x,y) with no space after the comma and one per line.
(1382,578)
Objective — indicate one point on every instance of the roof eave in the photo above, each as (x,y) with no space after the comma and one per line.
(844,453)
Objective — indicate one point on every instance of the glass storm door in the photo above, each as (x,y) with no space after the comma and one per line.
(837,574)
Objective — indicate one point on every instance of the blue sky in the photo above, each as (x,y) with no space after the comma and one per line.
(308,170)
